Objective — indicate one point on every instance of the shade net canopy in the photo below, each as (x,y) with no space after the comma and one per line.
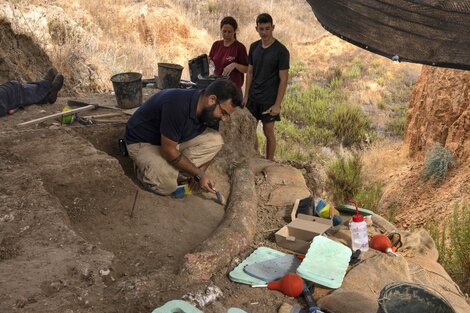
(433,32)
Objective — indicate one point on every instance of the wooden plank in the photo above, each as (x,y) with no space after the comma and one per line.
(49,117)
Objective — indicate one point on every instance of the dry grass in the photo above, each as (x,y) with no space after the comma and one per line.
(294,20)
(91,40)
(382,159)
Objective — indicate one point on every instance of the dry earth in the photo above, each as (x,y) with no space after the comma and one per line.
(439,113)
(73,240)
(78,232)
(74,237)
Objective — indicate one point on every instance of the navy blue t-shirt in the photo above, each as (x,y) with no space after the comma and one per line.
(171,113)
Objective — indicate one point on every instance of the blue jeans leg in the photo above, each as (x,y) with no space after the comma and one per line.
(35,93)
(14,94)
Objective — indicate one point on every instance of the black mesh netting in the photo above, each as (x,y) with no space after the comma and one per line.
(434,32)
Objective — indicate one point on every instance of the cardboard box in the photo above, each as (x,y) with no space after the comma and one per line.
(298,234)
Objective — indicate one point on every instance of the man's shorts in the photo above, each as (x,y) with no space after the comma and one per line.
(257,110)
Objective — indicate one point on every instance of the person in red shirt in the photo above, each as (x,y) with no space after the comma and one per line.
(229,55)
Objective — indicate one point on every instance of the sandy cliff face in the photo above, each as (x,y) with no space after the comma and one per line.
(20,57)
(439,111)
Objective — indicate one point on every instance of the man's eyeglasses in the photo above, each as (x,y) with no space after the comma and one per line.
(225,114)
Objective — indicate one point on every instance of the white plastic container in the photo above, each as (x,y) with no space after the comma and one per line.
(359,233)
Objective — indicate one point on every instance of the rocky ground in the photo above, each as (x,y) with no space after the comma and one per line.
(79,234)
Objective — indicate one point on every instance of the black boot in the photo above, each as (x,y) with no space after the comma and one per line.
(51,74)
(57,84)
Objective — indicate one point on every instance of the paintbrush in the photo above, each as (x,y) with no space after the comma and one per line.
(219,198)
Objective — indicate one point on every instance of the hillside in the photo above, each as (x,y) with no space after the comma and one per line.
(79,234)
(89,44)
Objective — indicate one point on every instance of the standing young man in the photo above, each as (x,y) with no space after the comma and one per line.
(266,80)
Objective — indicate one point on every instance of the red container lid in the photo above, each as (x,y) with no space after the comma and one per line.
(358,217)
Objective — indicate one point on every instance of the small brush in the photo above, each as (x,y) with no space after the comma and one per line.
(219,198)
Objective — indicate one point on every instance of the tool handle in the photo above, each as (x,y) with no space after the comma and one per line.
(86,108)
(312,306)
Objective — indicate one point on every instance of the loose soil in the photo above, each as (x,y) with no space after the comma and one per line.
(79,234)
(72,212)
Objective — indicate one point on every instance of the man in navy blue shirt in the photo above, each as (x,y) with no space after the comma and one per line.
(172,132)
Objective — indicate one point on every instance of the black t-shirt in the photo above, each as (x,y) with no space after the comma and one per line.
(267,62)
(171,113)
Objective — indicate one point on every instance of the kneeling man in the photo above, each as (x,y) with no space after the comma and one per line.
(173,132)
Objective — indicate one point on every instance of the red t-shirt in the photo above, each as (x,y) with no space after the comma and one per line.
(223,56)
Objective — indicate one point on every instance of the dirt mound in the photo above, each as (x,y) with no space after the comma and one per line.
(72,207)
(89,44)
(20,57)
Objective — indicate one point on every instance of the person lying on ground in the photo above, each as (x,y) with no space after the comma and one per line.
(172,134)
(15,95)
(229,55)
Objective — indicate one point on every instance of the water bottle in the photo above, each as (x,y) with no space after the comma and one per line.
(359,233)
(67,118)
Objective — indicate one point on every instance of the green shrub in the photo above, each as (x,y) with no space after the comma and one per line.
(437,164)
(355,69)
(297,68)
(349,125)
(336,80)
(211,7)
(293,152)
(382,104)
(396,126)
(380,81)
(369,196)
(307,115)
(344,177)
(454,252)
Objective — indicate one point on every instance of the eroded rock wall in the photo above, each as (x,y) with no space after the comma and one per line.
(20,58)
(439,112)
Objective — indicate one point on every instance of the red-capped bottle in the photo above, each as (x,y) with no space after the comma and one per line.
(359,232)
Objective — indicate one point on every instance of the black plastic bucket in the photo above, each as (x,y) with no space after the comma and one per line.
(128,89)
(203,82)
(411,298)
(169,75)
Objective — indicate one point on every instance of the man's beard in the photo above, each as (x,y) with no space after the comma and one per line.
(207,116)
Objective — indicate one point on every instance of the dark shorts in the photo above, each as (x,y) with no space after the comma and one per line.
(257,110)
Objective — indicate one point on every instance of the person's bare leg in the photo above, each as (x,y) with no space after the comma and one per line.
(256,138)
(268,129)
